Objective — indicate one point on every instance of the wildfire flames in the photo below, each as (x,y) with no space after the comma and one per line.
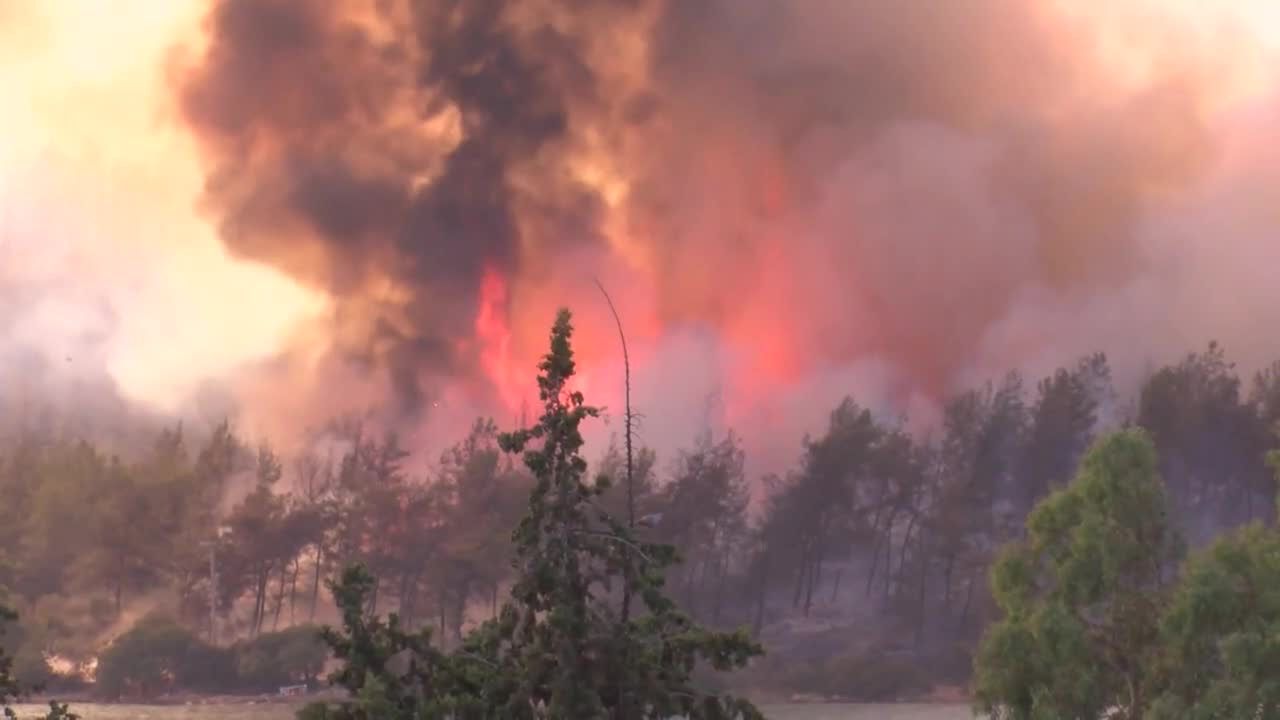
(787,201)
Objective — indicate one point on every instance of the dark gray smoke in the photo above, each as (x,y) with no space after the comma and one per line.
(821,182)
(313,116)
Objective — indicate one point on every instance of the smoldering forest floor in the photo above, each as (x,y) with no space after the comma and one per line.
(283,711)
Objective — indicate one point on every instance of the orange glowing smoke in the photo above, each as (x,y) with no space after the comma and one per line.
(812,185)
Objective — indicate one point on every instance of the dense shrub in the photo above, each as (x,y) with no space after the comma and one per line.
(1221,633)
(30,667)
(11,687)
(289,657)
(158,656)
(1096,628)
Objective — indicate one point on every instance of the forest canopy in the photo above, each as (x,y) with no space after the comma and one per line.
(876,545)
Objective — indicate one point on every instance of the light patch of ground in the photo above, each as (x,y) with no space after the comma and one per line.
(284,711)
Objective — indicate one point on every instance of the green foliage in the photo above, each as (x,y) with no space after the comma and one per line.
(1090,623)
(568,551)
(289,657)
(876,527)
(559,648)
(11,689)
(1221,632)
(30,667)
(1082,595)
(389,672)
(157,656)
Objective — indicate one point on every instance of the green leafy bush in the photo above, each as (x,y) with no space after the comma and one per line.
(1082,594)
(11,688)
(157,656)
(289,657)
(1221,633)
(1093,628)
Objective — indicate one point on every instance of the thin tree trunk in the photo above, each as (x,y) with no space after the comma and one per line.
(814,575)
(257,601)
(265,583)
(260,599)
(835,587)
(817,575)
(315,582)
(968,598)
(293,590)
(885,544)
(888,555)
(690,588)
(906,542)
(875,560)
(460,611)
(946,580)
(924,578)
(709,568)
(119,584)
(721,578)
(443,607)
(402,597)
(628,432)
(762,591)
(284,572)
(800,577)
(411,599)
(695,586)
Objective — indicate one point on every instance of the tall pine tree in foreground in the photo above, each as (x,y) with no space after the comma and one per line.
(561,647)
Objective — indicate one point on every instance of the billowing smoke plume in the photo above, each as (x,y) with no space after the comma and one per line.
(402,157)
(892,194)
(53,352)
(116,299)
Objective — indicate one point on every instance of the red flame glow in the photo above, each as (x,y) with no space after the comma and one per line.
(493,334)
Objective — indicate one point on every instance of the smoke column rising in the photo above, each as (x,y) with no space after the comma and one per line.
(789,201)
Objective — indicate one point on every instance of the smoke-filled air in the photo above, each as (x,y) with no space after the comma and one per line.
(311,223)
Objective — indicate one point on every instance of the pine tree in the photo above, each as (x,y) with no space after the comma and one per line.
(560,647)
(570,553)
